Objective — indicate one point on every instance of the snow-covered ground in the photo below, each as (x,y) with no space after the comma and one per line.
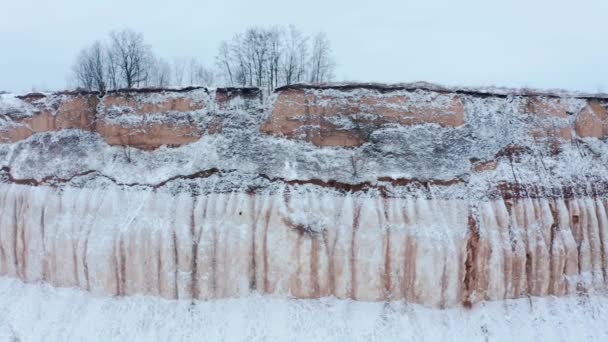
(43,313)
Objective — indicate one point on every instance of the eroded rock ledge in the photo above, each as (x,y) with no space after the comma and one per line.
(343,115)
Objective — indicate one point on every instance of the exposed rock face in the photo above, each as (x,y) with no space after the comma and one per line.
(347,119)
(62,112)
(140,118)
(435,252)
(442,197)
(592,121)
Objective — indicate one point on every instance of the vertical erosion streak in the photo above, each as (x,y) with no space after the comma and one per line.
(603,234)
(574,222)
(527,226)
(194,263)
(555,268)
(471,271)
(115,262)
(266,282)
(543,247)
(387,250)
(77,236)
(593,229)
(577,231)
(176,270)
(330,250)
(411,249)
(25,206)
(3,257)
(199,218)
(444,284)
(45,269)
(22,212)
(85,261)
(253,267)
(159,263)
(330,239)
(214,259)
(122,265)
(353,249)
(446,221)
(570,269)
(585,250)
(518,248)
(314,267)
(502,224)
(16,239)
(88,228)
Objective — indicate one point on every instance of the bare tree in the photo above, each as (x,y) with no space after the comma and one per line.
(164,73)
(274,41)
(266,58)
(198,74)
(179,69)
(193,64)
(160,75)
(224,63)
(252,53)
(132,56)
(112,70)
(321,63)
(295,57)
(90,68)
(205,76)
(81,72)
(269,58)
(245,59)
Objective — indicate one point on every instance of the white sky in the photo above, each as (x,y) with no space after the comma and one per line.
(534,43)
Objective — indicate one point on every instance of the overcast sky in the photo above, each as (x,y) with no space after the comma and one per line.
(534,43)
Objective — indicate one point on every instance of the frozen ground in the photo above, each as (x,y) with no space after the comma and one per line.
(43,313)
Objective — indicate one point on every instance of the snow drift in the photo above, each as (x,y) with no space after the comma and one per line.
(42,313)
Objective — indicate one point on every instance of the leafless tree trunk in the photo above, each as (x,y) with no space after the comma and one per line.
(160,74)
(223,61)
(179,68)
(198,74)
(90,68)
(275,47)
(133,58)
(192,67)
(321,63)
(294,57)
(256,47)
(112,70)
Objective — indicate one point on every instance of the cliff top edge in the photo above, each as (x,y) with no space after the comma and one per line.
(489,91)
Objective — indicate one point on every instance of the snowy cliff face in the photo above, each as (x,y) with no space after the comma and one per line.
(441,197)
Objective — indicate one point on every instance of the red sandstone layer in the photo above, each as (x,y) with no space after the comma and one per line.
(309,114)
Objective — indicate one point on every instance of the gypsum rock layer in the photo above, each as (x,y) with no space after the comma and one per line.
(435,252)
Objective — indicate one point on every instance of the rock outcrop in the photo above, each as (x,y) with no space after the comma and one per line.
(438,196)
(145,119)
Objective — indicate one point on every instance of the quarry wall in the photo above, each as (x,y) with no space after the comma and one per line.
(438,196)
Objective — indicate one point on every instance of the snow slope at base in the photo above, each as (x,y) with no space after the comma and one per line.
(44,313)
